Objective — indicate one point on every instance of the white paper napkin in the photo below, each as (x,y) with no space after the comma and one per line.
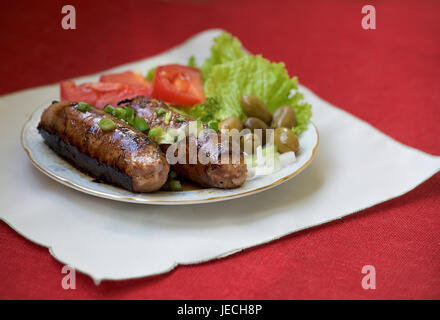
(356,167)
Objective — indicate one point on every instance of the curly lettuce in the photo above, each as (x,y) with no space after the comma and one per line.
(230,72)
(225,48)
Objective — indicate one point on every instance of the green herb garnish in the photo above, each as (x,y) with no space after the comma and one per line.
(119,113)
(150,74)
(172,185)
(168,117)
(141,124)
(83,107)
(160,112)
(129,116)
(107,124)
(204,112)
(180,119)
(172,174)
(155,132)
(109,109)
(175,185)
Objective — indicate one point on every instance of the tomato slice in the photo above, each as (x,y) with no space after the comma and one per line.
(100,94)
(127,77)
(178,85)
(70,92)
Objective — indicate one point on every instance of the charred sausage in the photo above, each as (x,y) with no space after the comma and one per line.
(219,175)
(124,156)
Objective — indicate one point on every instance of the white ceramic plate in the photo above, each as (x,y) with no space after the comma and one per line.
(60,170)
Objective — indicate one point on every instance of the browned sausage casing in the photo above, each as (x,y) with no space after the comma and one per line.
(123,156)
(229,175)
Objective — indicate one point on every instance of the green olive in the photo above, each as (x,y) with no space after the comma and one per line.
(285,140)
(230,123)
(254,123)
(249,143)
(255,108)
(284,117)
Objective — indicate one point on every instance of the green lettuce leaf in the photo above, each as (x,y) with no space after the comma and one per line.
(225,48)
(192,62)
(230,72)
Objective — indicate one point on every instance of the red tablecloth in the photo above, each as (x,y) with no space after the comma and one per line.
(388,77)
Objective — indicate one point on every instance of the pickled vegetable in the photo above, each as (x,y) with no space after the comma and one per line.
(254,123)
(285,140)
(284,117)
(230,124)
(255,108)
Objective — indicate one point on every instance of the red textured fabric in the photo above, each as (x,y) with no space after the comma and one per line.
(388,77)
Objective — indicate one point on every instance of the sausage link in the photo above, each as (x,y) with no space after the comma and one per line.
(219,175)
(124,156)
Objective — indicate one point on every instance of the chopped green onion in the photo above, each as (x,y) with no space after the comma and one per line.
(175,185)
(156,132)
(172,185)
(130,122)
(168,117)
(160,112)
(141,124)
(109,109)
(180,119)
(172,174)
(150,74)
(107,124)
(129,114)
(82,106)
(119,113)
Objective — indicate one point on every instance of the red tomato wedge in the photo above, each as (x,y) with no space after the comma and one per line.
(100,94)
(178,85)
(127,77)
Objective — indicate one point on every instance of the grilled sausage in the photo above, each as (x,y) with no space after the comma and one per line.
(219,175)
(124,156)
